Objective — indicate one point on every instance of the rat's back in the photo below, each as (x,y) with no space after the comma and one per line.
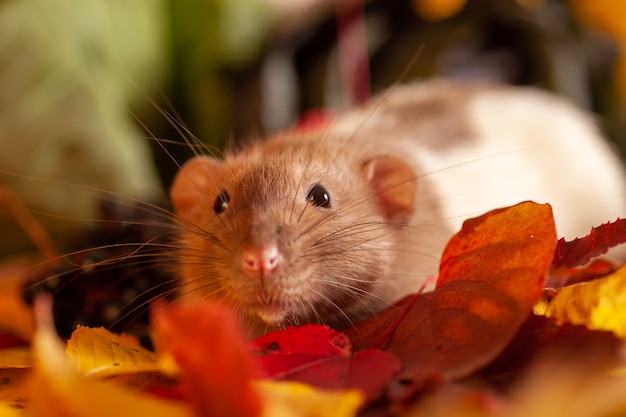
(484,146)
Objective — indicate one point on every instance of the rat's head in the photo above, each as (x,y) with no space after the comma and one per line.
(292,232)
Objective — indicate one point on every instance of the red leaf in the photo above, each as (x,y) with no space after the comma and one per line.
(211,350)
(309,339)
(321,356)
(282,352)
(491,274)
(579,251)
(593,270)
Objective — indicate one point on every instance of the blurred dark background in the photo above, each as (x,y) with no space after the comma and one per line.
(567,47)
(93,91)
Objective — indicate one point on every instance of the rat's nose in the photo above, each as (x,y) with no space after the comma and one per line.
(257,261)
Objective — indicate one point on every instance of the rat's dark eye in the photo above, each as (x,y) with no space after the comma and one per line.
(319,196)
(221,202)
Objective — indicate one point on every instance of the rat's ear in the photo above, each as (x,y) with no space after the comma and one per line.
(196,185)
(394,185)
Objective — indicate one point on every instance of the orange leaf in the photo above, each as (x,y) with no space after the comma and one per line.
(491,274)
(595,269)
(216,365)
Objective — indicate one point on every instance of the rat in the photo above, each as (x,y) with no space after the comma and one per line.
(334,225)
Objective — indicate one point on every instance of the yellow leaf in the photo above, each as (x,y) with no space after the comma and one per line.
(598,304)
(17,357)
(294,399)
(57,389)
(98,351)
(434,10)
(8,411)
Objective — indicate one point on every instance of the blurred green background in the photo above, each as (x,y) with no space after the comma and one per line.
(87,85)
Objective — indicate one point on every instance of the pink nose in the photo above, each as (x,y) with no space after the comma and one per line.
(255,261)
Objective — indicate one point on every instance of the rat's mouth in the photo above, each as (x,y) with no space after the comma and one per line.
(271,313)
(277,306)
(274,312)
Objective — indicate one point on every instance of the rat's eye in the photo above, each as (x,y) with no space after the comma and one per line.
(221,202)
(319,196)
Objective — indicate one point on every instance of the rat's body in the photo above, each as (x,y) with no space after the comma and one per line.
(333,226)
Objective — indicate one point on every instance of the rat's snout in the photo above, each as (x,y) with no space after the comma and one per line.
(260,261)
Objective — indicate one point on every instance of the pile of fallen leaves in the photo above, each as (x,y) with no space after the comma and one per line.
(520,324)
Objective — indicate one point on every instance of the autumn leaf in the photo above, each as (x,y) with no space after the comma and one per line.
(283,351)
(292,399)
(598,304)
(595,269)
(15,357)
(491,274)
(98,351)
(322,357)
(8,411)
(209,347)
(598,241)
(8,340)
(308,339)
